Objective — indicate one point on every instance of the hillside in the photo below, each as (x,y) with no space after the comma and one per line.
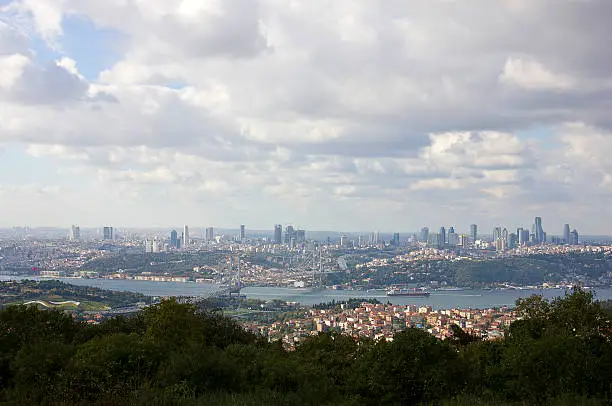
(56,294)
(171,353)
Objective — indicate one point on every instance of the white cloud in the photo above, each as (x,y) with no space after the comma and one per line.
(320,110)
(531,75)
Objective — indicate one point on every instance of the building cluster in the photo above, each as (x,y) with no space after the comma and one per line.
(502,239)
(291,238)
(108,233)
(382,321)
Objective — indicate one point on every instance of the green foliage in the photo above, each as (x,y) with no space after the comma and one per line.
(559,353)
(91,298)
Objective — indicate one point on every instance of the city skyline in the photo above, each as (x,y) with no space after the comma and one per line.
(341,115)
(282,235)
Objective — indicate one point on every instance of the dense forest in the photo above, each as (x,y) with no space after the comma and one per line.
(560,352)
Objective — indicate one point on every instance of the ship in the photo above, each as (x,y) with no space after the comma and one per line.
(407,292)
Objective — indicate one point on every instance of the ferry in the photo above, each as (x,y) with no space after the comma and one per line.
(407,292)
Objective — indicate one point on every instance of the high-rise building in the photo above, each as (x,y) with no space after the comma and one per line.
(289,234)
(538,231)
(174,239)
(75,233)
(452,239)
(210,234)
(435,240)
(520,237)
(343,240)
(107,232)
(566,234)
(573,240)
(524,236)
(473,233)
(300,236)
(242,233)
(497,234)
(278,234)
(443,235)
(425,234)
(186,240)
(512,240)
(396,239)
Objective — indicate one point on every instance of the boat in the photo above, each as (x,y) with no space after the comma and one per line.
(407,292)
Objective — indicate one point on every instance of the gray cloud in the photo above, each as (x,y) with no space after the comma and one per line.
(300,104)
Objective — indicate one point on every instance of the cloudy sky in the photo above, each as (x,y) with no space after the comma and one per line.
(328,114)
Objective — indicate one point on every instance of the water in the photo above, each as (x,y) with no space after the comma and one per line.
(438,300)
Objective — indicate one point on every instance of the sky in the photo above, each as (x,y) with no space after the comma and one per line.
(332,115)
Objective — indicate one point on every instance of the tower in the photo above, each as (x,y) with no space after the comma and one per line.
(442,240)
(289,234)
(75,233)
(242,233)
(396,239)
(210,234)
(474,233)
(278,234)
(573,237)
(425,234)
(186,240)
(107,232)
(174,239)
(566,234)
(539,231)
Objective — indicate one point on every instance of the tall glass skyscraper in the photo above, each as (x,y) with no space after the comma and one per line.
(473,233)
(539,231)
(566,234)
(278,234)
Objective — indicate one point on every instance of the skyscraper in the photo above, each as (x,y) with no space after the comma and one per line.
(278,234)
(210,234)
(520,237)
(573,240)
(300,236)
(242,233)
(289,234)
(497,234)
(566,234)
(425,234)
(186,240)
(512,240)
(396,239)
(474,233)
(174,239)
(525,235)
(442,239)
(75,233)
(107,232)
(539,231)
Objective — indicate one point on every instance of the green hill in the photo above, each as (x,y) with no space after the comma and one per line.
(171,353)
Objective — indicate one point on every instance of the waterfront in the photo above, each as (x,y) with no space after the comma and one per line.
(476,298)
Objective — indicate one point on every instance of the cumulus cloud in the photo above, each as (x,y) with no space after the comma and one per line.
(322,110)
(531,75)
